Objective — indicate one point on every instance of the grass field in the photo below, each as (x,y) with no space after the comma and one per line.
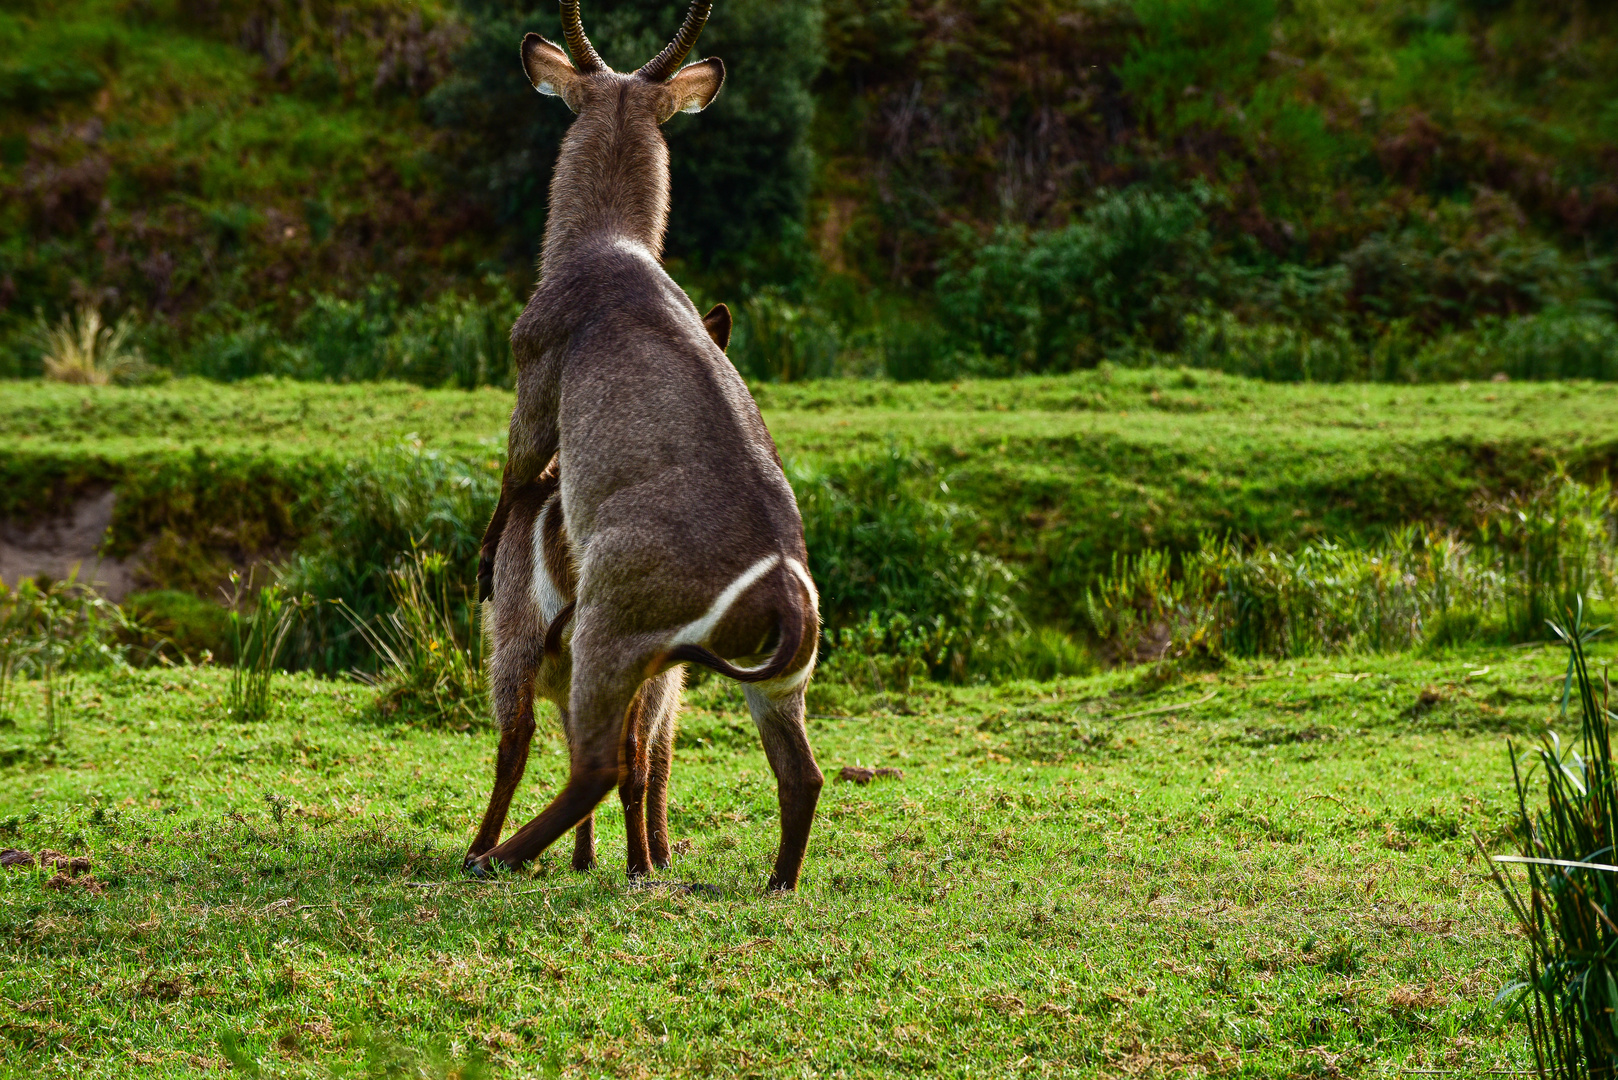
(1056,473)
(1263,871)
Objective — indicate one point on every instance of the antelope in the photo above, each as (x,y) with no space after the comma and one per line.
(666,533)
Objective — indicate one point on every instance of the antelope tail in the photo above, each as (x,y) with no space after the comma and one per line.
(786,650)
(553,634)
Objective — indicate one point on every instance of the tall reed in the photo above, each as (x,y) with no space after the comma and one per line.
(1553,547)
(1568,909)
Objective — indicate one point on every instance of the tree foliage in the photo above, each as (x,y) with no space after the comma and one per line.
(740,171)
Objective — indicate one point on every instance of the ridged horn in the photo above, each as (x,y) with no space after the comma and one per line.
(663,66)
(586,60)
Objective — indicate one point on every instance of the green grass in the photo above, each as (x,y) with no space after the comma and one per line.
(1273,880)
(1058,472)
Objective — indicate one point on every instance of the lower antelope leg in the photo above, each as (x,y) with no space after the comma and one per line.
(510,762)
(798,779)
(658,759)
(595,719)
(584,844)
(578,799)
(632,788)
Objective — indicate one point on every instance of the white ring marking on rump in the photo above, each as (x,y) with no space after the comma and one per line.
(696,633)
(808,582)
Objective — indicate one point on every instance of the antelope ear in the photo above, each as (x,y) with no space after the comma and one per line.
(692,88)
(550,71)
(718,323)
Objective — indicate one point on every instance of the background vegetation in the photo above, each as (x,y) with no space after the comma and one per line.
(1314,190)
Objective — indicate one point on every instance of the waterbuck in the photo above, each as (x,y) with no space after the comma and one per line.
(683,541)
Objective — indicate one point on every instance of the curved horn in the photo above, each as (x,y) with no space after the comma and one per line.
(666,63)
(585,58)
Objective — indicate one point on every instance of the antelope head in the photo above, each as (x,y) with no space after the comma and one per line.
(612,173)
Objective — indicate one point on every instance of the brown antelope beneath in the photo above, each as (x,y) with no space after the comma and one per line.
(671,524)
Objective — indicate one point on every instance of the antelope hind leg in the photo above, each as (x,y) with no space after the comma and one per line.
(643,784)
(660,757)
(516,704)
(595,732)
(798,781)
(632,787)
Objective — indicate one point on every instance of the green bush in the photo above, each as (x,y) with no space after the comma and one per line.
(1124,275)
(1536,554)
(740,171)
(892,562)
(380,508)
(1549,345)
(453,340)
(778,341)
(1454,269)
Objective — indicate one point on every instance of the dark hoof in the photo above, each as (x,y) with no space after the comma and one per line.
(481,868)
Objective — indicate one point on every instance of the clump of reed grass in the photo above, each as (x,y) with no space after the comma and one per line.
(384,508)
(429,673)
(258,635)
(1569,906)
(82,349)
(1553,547)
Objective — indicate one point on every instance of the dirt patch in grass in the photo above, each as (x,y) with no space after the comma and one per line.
(858,774)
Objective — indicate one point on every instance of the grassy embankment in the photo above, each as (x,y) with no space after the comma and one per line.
(1258,873)
(1056,473)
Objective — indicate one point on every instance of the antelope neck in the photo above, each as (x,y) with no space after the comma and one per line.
(611,179)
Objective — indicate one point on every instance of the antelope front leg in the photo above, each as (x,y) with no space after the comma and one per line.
(510,763)
(797,777)
(578,799)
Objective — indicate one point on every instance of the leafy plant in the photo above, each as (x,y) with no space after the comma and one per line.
(781,341)
(1568,909)
(1052,301)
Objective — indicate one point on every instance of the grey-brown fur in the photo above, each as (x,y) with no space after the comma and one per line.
(670,487)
